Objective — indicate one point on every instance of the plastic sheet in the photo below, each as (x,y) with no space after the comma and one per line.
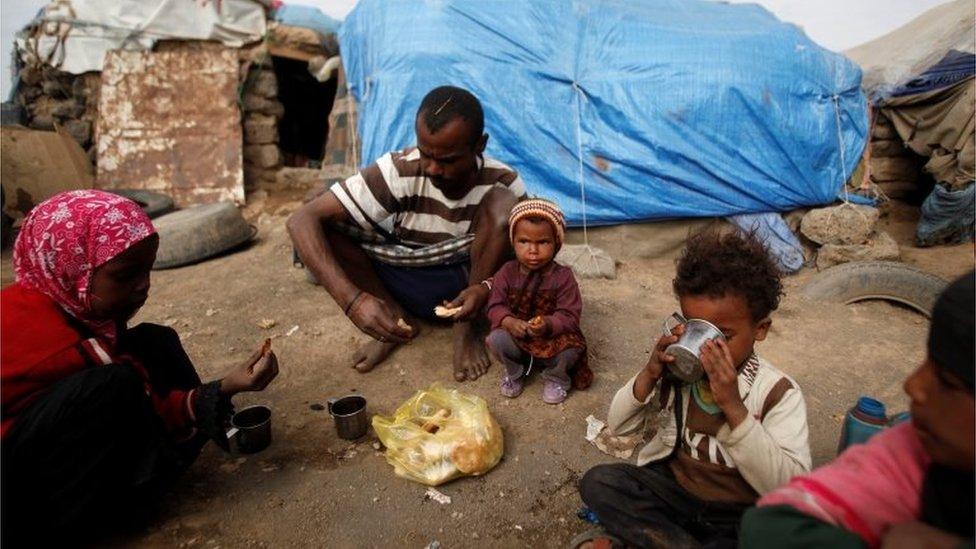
(440,434)
(661,108)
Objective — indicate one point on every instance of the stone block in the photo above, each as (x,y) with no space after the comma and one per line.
(888,147)
(57,88)
(260,129)
(883,128)
(894,168)
(31,76)
(880,247)
(263,83)
(257,104)
(80,131)
(262,156)
(844,224)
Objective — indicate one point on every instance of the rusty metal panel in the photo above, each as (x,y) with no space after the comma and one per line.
(169,121)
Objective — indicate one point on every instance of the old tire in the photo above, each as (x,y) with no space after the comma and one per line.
(153,203)
(888,280)
(197,233)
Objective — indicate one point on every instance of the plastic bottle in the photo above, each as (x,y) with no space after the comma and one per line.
(861,422)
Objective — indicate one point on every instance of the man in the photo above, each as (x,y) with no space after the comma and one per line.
(413,230)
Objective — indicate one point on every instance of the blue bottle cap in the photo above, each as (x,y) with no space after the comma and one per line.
(871,407)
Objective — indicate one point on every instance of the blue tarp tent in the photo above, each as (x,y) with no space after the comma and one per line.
(677,108)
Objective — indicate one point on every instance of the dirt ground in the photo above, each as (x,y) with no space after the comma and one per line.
(312,489)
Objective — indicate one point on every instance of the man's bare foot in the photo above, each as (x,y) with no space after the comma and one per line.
(371,354)
(471,359)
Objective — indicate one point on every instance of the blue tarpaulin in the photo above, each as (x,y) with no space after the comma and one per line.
(677,108)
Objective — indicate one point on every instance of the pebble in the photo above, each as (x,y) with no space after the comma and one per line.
(211,312)
(317,407)
(377,446)
(267,323)
(375,499)
(475,535)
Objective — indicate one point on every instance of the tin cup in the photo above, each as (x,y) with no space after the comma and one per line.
(349,415)
(250,430)
(686,351)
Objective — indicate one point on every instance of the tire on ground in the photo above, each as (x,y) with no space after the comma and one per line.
(153,203)
(197,233)
(887,280)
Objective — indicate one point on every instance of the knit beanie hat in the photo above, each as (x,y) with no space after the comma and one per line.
(538,207)
(952,332)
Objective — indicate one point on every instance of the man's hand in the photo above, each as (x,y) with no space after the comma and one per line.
(471,300)
(654,368)
(723,380)
(909,535)
(517,327)
(252,375)
(377,319)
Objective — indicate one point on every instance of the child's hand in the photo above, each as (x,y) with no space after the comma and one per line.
(539,326)
(252,375)
(517,327)
(723,380)
(654,368)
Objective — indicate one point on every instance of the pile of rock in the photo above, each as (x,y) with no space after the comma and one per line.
(848,233)
(50,97)
(894,167)
(261,111)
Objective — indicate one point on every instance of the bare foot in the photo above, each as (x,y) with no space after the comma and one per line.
(371,354)
(470,356)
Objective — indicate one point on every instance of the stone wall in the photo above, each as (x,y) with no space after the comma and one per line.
(261,112)
(894,167)
(50,97)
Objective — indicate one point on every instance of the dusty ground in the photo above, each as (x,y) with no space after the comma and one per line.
(312,489)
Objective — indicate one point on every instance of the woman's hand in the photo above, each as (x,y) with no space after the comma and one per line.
(253,375)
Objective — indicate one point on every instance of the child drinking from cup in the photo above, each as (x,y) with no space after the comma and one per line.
(535,305)
(720,442)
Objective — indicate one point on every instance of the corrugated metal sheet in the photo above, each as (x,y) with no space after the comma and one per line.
(169,121)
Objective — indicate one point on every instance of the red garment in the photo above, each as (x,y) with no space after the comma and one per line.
(39,346)
(551,293)
(65,238)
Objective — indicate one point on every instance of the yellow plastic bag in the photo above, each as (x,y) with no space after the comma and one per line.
(439,435)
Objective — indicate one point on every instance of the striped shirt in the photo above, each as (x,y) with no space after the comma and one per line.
(429,228)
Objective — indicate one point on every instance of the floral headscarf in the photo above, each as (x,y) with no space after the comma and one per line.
(66,237)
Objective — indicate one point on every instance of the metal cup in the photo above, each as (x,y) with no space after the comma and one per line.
(349,415)
(250,429)
(686,351)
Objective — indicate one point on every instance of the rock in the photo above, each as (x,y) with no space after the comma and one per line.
(42,122)
(255,177)
(263,83)
(31,76)
(888,147)
(843,224)
(263,105)
(55,87)
(302,178)
(894,168)
(80,131)
(260,129)
(881,247)
(87,87)
(587,261)
(262,156)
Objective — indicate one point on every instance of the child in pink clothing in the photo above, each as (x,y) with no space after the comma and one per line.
(910,486)
(535,307)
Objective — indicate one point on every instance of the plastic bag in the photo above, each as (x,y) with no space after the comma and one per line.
(440,434)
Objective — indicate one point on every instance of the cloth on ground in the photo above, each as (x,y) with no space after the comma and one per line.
(772,230)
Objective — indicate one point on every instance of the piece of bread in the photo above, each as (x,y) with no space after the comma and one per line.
(434,423)
(403,324)
(446,312)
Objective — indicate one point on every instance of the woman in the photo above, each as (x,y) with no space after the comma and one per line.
(97,418)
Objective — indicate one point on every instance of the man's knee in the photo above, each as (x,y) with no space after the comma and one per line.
(602,484)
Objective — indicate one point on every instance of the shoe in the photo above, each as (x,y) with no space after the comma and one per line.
(512,387)
(552,392)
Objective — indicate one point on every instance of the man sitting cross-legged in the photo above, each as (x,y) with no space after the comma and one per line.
(417,228)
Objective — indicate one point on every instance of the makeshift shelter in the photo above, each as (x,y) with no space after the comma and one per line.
(190,99)
(621,111)
(920,79)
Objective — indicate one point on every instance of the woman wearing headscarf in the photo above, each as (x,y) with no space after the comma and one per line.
(909,486)
(97,418)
